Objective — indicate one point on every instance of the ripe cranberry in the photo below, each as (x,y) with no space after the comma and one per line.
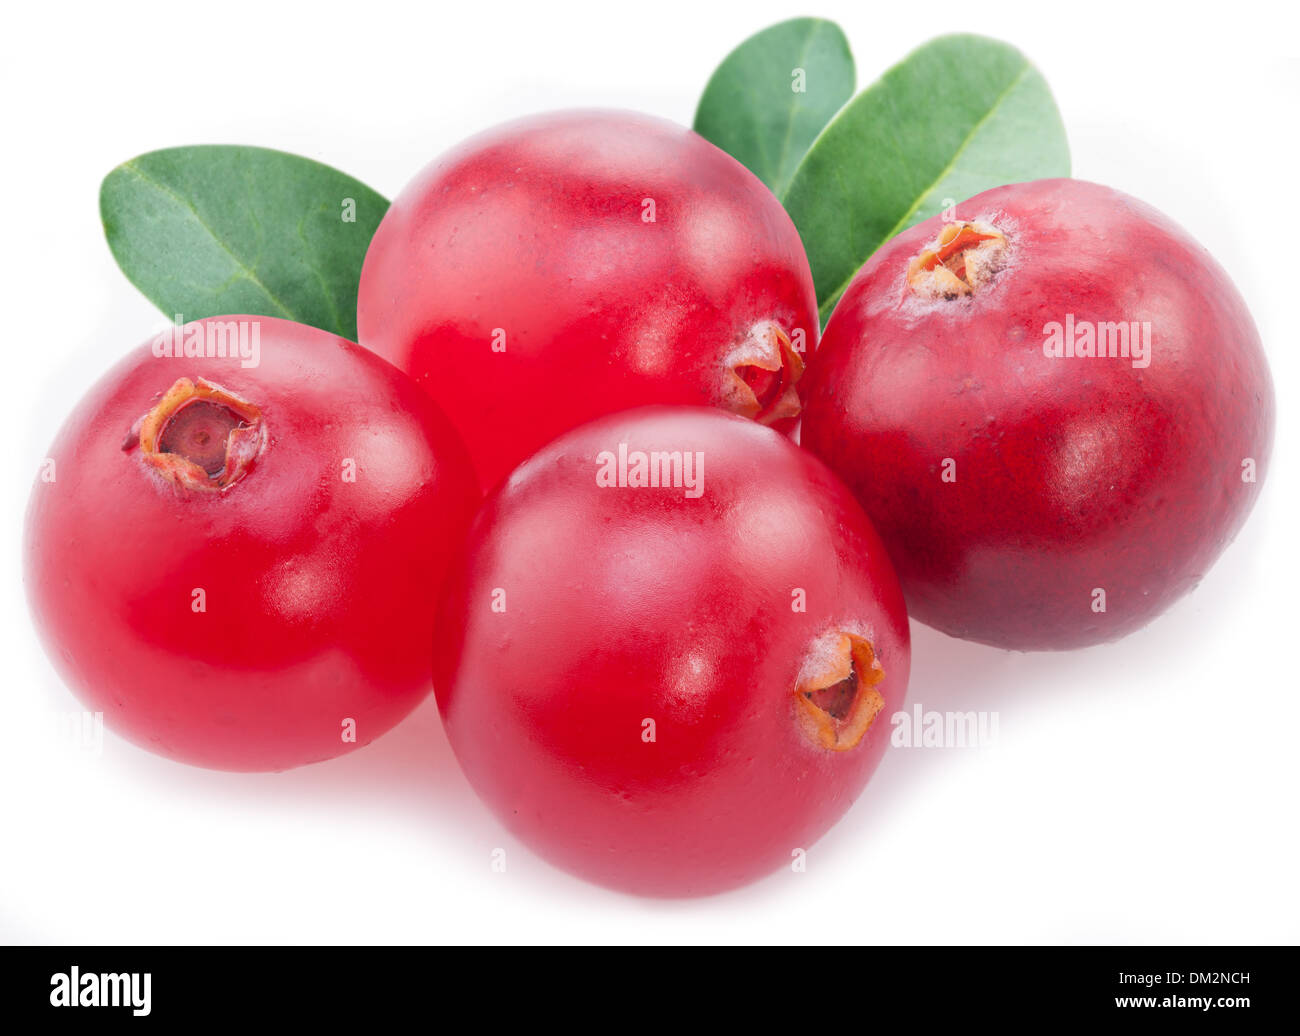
(570,265)
(1033,493)
(669,659)
(234,556)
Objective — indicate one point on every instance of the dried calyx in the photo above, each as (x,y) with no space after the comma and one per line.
(962,259)
(200,436)
(836,697)
(761,374)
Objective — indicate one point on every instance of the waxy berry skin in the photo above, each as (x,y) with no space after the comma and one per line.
(574,264)
(235,617)
(669,691)
(1019,493)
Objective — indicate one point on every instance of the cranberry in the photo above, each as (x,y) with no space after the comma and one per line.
(236,558)
(1056,411)
(669,659)
(570,265)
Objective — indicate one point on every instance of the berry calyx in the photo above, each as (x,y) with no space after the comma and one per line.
(836,697)
(960,260)
(200,436)
(761,375)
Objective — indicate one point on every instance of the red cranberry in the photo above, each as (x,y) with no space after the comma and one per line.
(1056,411)
(236,558)
(669,659)
(574,264)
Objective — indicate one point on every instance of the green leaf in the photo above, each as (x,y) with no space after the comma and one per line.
(211,230)
(959,115)
(751,109)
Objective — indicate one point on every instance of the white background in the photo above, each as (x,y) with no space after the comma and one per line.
(1142,791)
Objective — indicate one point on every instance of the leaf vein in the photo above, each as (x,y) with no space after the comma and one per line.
(248,272)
